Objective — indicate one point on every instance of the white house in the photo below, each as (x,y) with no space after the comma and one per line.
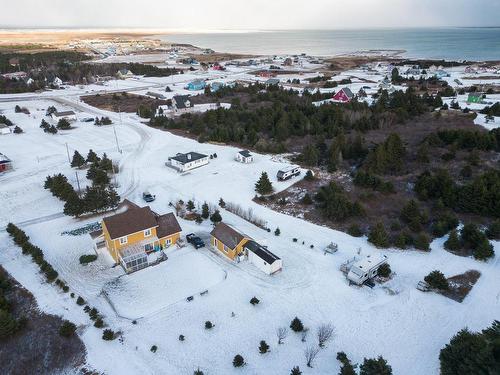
(181,103)
(244,156)
(124,73)
(67,115)
(366,268)
(262,258)
(188,161)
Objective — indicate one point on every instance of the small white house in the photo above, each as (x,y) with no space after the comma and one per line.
(365,268)
(67,115)
(188,161)
(244,156)
(262,258)
(181,103)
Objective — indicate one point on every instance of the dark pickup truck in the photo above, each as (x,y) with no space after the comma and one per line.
(196,241)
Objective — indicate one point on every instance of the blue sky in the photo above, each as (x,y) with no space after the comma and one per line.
(249,14)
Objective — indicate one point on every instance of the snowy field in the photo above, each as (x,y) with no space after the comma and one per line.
(394,319)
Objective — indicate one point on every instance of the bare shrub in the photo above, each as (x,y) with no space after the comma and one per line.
(281,333)
(325,334)
(246,214)
(310,354)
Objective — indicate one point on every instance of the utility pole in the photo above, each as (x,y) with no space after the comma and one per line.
(114,131)
(78,182)
(67,151)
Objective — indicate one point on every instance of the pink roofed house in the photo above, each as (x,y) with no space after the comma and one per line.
(344,95)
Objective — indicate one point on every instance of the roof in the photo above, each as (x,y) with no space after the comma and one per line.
(475,94)
(167,225)
(64,113)
(273,81)
(4,159)
(348,92)
(245,153)
(188,157)
(130,221)
(370,261)
(96,234)
(180,101)
(227,235)
(261,252)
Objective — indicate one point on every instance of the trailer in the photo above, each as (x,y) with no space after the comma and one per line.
(285,174)
(366,268)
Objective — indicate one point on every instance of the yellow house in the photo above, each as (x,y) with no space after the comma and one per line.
(227,240)
(131,235)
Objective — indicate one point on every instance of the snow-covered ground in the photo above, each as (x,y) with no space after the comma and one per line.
(395,320)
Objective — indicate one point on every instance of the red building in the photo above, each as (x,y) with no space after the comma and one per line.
(344,95)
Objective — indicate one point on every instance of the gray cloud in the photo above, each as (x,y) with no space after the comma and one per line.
(250,14)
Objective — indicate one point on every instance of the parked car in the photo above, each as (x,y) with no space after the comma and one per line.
(148,197)
(196,241)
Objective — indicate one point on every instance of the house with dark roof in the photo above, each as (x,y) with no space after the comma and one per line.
(344,95)
(187,161)
(181,103)
(228,240)
(238,246)
(244,156)
(262,258)
(131,235)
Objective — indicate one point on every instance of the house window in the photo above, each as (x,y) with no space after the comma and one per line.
(123,240)
(147,233)
(215,242)
(168,241)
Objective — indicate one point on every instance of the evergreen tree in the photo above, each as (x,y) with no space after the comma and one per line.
(384,270)
(310,155)
(113,198)
(296,371)
(472,353)
(263,347)
(222,204)
(296,325)
(106,164)
(493,231)
(92,157)
(8,325)
(67,329)
(373,366)
(277,232)
(412,215)
(78,160)
(198,372)
(346,368)
(190,205)
(264,185)
(205,212)
(238,361)
(63,124)
(422,241)
(216,218)
(437,280)
(378,236)
(74,206)
(453,242)
(484,250)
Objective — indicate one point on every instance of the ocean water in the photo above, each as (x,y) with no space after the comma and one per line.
(437,43)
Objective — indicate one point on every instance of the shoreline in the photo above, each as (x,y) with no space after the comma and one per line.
(155,41)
